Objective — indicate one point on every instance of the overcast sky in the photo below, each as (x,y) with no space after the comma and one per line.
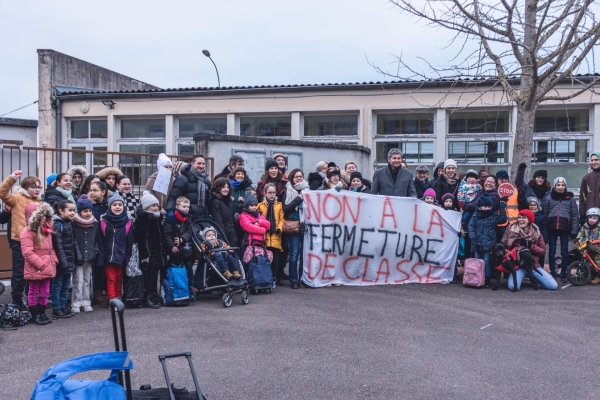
(252,42)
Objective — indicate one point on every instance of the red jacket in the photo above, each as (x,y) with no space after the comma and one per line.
(40,260)
(255,227)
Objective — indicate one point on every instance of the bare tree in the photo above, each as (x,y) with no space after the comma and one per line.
(528,47)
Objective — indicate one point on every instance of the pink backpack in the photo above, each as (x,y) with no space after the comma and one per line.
(474,273)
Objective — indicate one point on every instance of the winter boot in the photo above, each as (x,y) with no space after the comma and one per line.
(488,280)
(99,298)
(43,316)
(35,316)
(227,274)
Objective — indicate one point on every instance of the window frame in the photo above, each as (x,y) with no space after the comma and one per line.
(356,113)
(239,117)
(380,112)
(485,161)
(378,164)
(589,110)
(120,139)
(506,133)
(71,139)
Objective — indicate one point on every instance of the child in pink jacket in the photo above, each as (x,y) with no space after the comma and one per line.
(40,259)
(252,222)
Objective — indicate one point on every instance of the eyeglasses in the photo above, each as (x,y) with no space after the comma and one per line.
(35,187)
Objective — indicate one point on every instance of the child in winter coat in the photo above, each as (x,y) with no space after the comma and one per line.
(357,183)
(561,209)
(85,229)
(253,223)
(40,259)
(98,194)
(149,235)
(482,231)
(224,259)
(467,191)
(540,221)
(178,235)
(429,197)
(272,210)
(588,232)
(63,241)
(448,202)
(115,244)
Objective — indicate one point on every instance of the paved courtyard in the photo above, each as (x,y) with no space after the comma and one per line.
(391,342)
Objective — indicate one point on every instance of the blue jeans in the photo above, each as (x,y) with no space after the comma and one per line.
(294,241)
(227,263)
(546,281)
(485,256)
(564,251)
(60,290)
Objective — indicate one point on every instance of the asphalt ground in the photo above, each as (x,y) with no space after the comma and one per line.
(388,342)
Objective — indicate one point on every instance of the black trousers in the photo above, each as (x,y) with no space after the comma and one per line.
(277,274)
(17,280)
(150,280)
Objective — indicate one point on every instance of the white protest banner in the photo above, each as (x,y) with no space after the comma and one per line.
(363,239)
(163,179)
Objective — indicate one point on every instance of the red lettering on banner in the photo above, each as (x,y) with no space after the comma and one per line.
(327,197)
(310,207)
(386,272)
(328,266)
(419,264)
(309,266)
(402,272)
(415,229)
(439,222)
(346,270)
(348,210)
(388,204)
(433,268)
(364,277)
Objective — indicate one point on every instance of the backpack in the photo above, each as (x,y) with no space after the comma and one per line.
(103,227)
(176,291)
(474,273)
(12,318)
(133,291)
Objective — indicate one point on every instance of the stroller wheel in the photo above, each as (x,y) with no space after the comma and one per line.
(227,300)
(245,297)
(270,290)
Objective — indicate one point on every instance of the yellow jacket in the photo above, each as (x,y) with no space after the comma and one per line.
(273,240)
(17,203)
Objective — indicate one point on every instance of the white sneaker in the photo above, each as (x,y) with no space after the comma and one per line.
(87,309)
(75,310)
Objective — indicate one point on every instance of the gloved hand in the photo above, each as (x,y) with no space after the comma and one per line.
(236,216)
(171,217)
(338,188)
(503,200)
(572,236)
(303,229)
(525,243)
(522,165)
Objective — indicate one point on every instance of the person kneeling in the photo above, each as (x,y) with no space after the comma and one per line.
(225,261)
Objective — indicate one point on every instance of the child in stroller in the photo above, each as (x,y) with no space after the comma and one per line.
(223,259)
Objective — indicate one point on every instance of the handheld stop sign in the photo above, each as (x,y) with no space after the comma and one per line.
(506,190)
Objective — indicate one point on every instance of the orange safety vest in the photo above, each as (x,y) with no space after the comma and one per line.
(512,209)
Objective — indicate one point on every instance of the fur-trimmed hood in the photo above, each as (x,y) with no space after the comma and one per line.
(103,173)
(79,170)
(36,214)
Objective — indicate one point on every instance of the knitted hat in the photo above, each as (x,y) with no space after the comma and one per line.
(422,168)
(449,162)
(541,172)
(163,160)
(270,163)
(447,196)
(472,173)
(485,201)
(429,192)
(533,199)
(115,197)
(249,199)
(560,179)
(84,203)
(596,153)
(355,174)
(502,174)
(333,169)
(50,179)
(206,230)
(149,200)
(528,214)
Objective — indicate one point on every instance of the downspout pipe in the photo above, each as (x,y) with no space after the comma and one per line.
(58,133)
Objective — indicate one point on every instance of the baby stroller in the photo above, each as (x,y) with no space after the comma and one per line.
(211,278)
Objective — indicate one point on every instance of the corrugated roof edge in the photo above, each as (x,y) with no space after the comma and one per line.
(19,122)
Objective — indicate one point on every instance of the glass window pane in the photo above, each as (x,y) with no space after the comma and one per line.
(80,129)
(398,124)
(136,166)
(78,158)
(266,126)
(188,127)
(98,129)
(412,152)
(478,122)
(185,150)
(142,128)
(560,151)
(99,160)
(331,125)
(478,152)
(562,121)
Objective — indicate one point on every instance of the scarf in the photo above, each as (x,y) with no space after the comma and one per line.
(271,216)
(118,221)
(84,223)
(67,194)
(515,232)
(235,184)
(451,180)
(131,203)
(155,213)
(201,176)
(180,216)
(540,191)
(358,189)
(394,172)
(291,192)
(47,227)
(253,213)
(484,213)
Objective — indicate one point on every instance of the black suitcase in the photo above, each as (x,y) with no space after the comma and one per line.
(133,291)
(146,392)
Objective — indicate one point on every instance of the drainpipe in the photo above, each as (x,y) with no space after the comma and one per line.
(58,134)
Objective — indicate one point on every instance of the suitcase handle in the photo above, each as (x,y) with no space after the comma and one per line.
(124,376)
(163,357)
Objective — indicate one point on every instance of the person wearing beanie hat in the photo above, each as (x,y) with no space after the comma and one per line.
(538,186)
(450,163)
(224,260)
(254,224)
(164,161)
(482,231)
(85,231)
(334,177)
(50,179)
(560,207)
(357,183)
(502,176)
(422,182)
(448,201)
(468,189)
(394,180)
(524,234)
(429,197)
(449,182)
(589,191)
(272,175)
(282,162)
(148,200)
(540,220)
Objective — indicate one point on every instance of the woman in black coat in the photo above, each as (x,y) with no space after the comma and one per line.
(222,211)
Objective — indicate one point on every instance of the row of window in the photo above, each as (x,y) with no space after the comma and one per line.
(336,125)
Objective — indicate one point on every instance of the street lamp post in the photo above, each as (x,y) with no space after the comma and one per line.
(207,54)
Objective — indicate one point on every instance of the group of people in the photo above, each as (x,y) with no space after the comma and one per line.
(90,232)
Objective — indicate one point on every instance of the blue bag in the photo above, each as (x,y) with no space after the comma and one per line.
(461,248)
(175,286)
(261,275)
(54,384)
